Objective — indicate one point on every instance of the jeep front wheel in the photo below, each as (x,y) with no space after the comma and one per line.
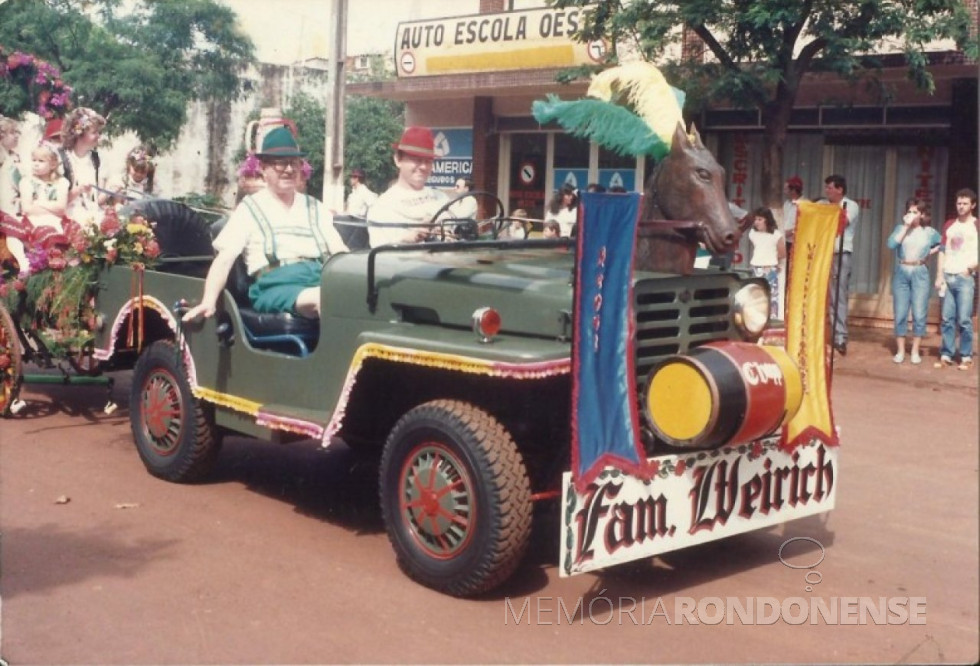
(174,432)
(455,497)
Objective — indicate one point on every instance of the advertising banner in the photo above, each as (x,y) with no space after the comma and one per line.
(526,39)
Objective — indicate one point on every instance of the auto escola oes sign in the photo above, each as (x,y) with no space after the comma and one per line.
(526,39)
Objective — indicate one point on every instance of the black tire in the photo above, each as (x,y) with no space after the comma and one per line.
(174,432)
(455,498)
(11,363)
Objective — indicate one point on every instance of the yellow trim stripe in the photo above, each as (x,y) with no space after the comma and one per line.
(250,407)
(536,58)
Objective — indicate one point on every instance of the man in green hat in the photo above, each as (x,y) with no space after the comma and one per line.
(285,237)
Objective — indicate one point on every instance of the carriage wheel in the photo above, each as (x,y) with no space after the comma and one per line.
(174,431)
(10,362)
(83,360)
(455,497)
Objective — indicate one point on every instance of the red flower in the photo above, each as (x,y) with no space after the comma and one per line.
(110,223)
(681,466)
(4,361)
(4,290)
(152,250)
(56,259)
(111,255)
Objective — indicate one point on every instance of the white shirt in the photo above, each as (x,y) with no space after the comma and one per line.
(360,199)
(959,246)
(300,230)
(84,208)
(464,209)
(10,177)
(791,208)
(402,204)
(765,247)
(566,219)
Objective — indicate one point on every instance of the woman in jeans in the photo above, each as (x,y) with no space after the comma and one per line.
(914,241)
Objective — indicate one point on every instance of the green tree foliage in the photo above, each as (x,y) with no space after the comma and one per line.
(759,50)
(137,63)
(309,114)
(371,126)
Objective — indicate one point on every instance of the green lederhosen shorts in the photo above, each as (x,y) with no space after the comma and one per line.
(277,290)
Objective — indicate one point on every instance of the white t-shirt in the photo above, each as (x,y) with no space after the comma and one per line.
(360,199)
(303,230)
(959,246)
(84,208)
(566,219)
(765,247)
(402,204)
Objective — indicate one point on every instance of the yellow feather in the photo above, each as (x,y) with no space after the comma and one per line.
(642,86)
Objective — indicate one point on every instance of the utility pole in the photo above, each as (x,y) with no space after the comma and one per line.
(333,149)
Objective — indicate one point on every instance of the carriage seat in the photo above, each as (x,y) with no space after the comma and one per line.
(277,331)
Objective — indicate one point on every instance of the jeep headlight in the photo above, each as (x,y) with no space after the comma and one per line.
(750,310)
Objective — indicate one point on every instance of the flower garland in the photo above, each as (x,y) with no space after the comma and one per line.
(40,80)
(61,282)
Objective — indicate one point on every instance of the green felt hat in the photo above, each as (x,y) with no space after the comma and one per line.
(280,142)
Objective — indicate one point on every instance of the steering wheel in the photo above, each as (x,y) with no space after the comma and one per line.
(469,228)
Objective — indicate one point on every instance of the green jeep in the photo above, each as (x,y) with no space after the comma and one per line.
(449,359)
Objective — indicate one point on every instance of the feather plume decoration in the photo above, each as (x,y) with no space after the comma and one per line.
(610,125)
(630,109)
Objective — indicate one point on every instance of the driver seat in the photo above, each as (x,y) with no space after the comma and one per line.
(274,331)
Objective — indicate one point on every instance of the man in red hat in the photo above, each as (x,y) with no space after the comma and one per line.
(284,235)
(403,212)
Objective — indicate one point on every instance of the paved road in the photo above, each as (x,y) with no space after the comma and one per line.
(282,558)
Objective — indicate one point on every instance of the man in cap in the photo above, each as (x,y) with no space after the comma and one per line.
(361,197)
(284,235)
(401,213)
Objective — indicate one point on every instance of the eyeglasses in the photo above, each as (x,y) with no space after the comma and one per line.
(280,164)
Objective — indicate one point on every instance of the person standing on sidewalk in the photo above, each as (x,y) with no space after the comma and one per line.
(955,276)
(914,241)
(835,189)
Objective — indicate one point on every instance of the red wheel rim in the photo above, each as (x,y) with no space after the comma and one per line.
(161,408)
(436,500)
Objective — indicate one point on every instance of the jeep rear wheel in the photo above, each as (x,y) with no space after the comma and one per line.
(455,498)
(174,432)
(10,362)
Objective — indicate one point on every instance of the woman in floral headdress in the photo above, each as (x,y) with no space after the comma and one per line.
(136,181)
(80,135)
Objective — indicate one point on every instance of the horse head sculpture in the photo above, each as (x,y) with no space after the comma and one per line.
(689,184)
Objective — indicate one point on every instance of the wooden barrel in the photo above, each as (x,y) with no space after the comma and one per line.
(722,393)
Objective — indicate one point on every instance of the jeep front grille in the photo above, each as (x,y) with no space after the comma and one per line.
(675,315)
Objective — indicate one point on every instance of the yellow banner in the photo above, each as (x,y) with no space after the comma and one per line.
(806,322)
(525,39)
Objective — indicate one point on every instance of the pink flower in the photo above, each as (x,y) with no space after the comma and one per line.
(4,289)
(110,224)
(152,249)
(111,255)
(56,259)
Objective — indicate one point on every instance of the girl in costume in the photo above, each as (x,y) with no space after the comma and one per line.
(81,133)
(768,249)
(136,182)
(43,196)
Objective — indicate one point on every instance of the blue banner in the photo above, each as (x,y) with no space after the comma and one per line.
(604,413)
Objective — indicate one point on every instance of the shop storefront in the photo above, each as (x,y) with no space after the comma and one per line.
(479,102)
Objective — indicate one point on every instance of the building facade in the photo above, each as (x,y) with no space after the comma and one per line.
(480,110)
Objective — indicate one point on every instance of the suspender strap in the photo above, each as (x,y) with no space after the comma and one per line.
(268,237)
(313,216)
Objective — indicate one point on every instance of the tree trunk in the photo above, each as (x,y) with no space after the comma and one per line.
(775,121)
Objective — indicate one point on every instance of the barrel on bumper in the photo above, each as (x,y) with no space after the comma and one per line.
(722,393)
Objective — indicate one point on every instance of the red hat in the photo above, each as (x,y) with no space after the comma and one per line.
(417,141)
(52,130)
(795,182)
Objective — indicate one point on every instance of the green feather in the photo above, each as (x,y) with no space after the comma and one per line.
(610,125)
